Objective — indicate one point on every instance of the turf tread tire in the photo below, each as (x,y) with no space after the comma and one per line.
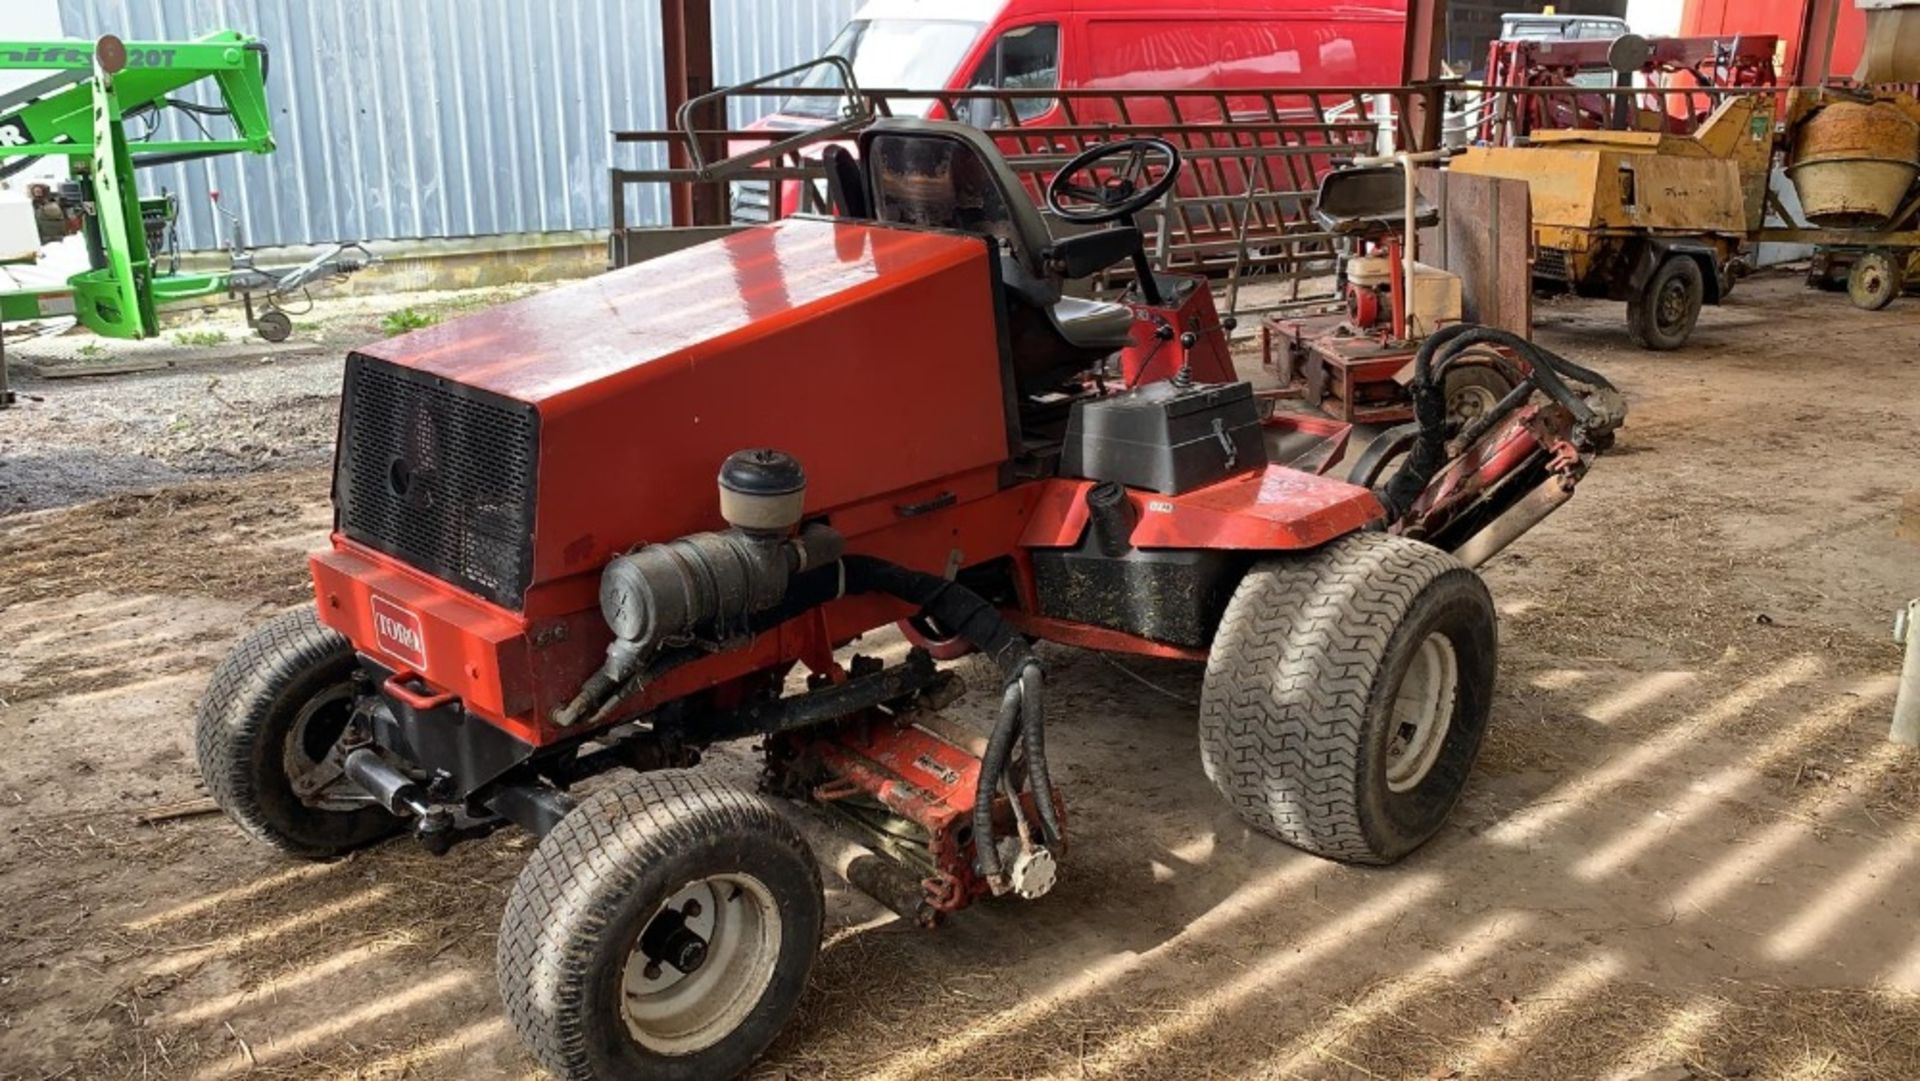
(1294,672)
(240,726)
(617,842)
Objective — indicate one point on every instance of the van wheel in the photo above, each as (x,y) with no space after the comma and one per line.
(1664,314)
(664,929)
(1347,693)
(265,734)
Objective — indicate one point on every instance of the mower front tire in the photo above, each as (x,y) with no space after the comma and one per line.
(276,705)
(663,930)
(1347,693)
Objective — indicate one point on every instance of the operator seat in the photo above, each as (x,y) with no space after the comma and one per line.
(947,175)
(1369,201)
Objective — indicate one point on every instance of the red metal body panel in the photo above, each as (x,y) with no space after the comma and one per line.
(1151,358)
(1277,509)
(477,651)
(1088,636)
(1788,20)
(796,326)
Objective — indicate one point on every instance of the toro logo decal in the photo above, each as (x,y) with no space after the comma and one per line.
(398,632)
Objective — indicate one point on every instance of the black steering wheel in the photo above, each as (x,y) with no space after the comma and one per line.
(1118,196)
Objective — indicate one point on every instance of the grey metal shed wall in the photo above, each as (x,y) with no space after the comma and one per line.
(403,119)
(757,37)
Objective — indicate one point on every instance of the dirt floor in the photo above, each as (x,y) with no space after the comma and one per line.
(1687,850)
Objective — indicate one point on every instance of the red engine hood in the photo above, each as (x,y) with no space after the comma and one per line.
(870,353)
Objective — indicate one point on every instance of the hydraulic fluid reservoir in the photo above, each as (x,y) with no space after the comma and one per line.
(1853,163)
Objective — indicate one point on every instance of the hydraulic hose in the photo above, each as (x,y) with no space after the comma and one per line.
(1547,371)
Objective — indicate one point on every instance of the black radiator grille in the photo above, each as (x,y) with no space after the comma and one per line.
(1551,264)
(438,474)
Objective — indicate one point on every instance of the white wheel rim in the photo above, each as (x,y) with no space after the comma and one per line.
(1471,403)
(679,1013)
(1422,713)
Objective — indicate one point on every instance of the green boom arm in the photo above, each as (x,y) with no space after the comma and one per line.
(83,117)
(63,122)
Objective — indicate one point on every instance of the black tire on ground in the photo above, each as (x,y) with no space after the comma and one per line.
(1310,687)
(283,695)
(1875,278)
(1664,314)
(599,886)
(1473,390)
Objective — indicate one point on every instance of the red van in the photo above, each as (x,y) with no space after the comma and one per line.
(1096,45)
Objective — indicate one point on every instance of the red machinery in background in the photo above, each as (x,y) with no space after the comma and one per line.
(1536,85)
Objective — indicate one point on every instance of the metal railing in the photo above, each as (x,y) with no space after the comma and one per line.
(1253,159)
(1244,202)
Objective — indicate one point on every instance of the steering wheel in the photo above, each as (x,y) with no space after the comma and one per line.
(1119,195)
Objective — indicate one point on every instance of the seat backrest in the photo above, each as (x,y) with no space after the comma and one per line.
(948,175)
(1370,199)
(846,185)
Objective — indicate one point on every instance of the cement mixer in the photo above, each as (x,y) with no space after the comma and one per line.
(1853,158)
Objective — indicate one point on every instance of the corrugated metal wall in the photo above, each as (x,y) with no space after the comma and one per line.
(400,119)
(759,37)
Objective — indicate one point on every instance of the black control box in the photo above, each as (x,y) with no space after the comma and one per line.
(1166,438)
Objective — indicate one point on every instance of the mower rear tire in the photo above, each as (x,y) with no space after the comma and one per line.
(591,932)
(1347,693)
(1663,314)
(277,703)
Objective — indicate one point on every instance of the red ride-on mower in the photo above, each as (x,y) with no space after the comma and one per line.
(533,581)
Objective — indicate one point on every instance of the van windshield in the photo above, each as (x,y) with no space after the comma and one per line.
(890,54)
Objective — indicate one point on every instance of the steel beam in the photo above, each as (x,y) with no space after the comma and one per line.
(1425,40)
(686,37)
(1816,42)
(1420,65)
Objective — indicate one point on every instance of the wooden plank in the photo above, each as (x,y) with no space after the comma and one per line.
(1485,236)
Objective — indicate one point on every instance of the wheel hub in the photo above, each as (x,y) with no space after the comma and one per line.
(705,957)
(1471,403)
(1673,304)
(312,756)
(1422,713)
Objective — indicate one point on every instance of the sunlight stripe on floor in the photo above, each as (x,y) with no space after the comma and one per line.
(1748,858)
(946,1057)
(1487,1055)
(1844,895)
(299,921)
(1316,943)
(1705,794)
(219,1008)
(267,1049)
(1454,961)
(461,1041)
(303,872)
(1547,810)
